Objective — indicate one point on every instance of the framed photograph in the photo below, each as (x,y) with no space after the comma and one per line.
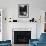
(23,11)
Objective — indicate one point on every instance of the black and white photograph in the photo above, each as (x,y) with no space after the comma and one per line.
(23,11)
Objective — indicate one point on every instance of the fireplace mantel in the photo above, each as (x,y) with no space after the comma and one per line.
(26,27)
(21,29)
(29,26)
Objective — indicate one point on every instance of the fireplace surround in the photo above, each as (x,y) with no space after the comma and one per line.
(21,35)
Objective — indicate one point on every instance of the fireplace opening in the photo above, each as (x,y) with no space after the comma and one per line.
(22,37)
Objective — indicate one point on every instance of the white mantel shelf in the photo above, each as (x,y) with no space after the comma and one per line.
(25,25)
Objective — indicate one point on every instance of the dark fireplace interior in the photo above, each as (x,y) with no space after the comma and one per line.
(22,37)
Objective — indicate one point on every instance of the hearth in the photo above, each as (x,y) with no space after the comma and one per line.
(22,37)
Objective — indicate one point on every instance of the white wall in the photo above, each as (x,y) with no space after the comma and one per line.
(4,24)
(40,26)
(34,3)
(1,25)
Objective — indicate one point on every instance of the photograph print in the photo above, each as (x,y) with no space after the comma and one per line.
(23,11)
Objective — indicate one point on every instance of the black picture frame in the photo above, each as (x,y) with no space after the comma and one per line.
(23,10)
